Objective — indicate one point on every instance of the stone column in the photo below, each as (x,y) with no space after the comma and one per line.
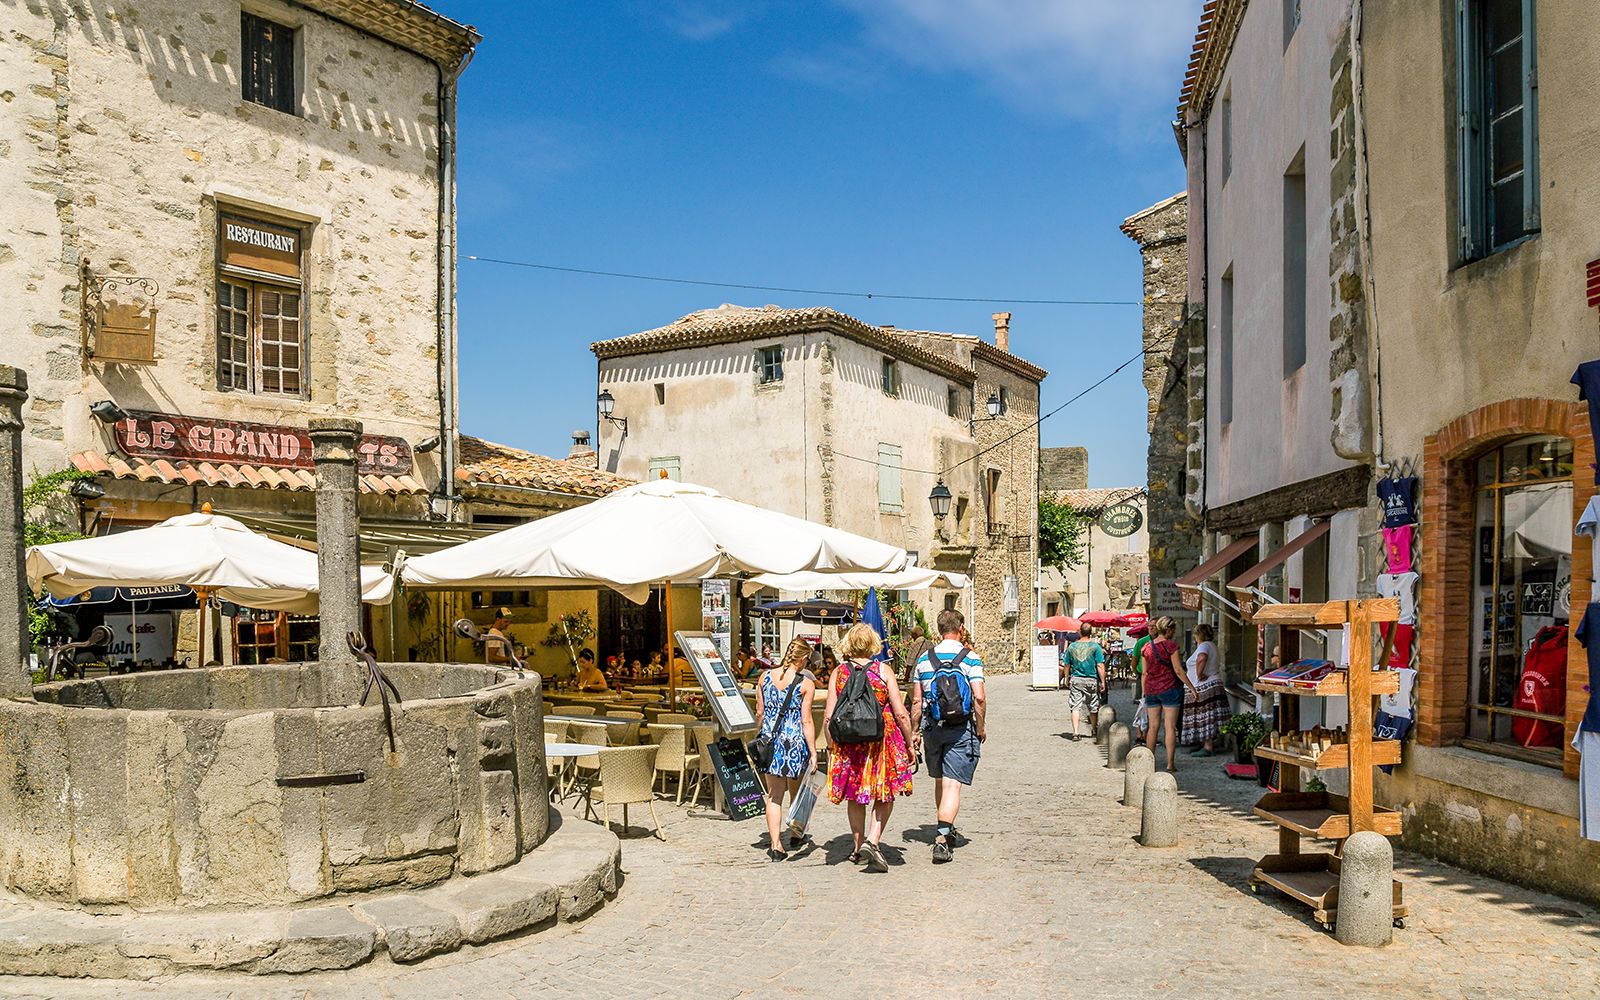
(334,441)
(15,679)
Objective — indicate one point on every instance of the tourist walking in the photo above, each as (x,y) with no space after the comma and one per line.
(784,697)
(1084,663)
(1162,685)
(868,772)
(1206,705)
(949,705)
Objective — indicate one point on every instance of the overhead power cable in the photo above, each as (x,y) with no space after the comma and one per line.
(832,293)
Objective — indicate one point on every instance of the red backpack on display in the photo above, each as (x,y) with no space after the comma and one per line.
(1542,688)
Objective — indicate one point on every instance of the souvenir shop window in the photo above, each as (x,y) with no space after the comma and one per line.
(1522,585)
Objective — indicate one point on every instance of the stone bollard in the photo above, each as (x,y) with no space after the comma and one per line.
(1118,740)
(15,678)
(1365,916)
(1102,722)
(334,441)
(1139,766)
(1158,827)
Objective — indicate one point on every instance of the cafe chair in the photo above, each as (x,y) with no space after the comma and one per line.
(676,719)
(703,737)
(673,759)
(549,707)
(555,730)
(625,714)
(555,768)
(574,710)
(587,767)
(626,779)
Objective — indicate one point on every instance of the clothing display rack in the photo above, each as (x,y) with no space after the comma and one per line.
(1313,878)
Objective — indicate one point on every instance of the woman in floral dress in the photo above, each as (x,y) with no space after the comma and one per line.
(863,774)
(793,738)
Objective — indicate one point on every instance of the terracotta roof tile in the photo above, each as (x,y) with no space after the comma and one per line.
(731,324)
(486,465)
(244,476)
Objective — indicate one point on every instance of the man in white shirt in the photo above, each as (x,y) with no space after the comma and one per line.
(951,746)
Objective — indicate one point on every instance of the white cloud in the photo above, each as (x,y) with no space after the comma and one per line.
(1073,57)
(699,21)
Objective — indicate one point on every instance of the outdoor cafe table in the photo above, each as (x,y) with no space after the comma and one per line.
(569,753)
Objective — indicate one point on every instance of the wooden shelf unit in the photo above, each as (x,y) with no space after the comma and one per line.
(1313,878)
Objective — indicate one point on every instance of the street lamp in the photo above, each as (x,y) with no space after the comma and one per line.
(107,412)
(606,403)
(992,404)
(83,489)
(939,499)
(426,445)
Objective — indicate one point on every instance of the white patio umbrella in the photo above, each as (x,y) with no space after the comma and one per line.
(913,578)
(209,552)
(660,531)
(650,533)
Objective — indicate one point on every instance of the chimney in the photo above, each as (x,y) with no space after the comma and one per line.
(581,453)
(1002,331)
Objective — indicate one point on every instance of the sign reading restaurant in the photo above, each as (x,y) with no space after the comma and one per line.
(201,439)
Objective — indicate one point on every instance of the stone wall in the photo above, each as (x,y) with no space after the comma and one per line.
(1174,378)
(1064,468)
(125,132)
(1002,639)
(163,790)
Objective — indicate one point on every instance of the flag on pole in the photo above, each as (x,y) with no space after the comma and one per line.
(872,614)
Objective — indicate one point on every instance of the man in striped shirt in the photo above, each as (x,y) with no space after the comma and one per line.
(951,751)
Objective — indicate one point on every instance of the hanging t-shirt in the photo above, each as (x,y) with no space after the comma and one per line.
(1399,705)
(1404,636)
(1390,727)
(1587,379)
(1397,549)
(1589,635)
(1589,526)
(1588,746)
(1399,499)
(1403,586)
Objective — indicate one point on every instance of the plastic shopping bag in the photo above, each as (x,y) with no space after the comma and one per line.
(1141,718)
(799,816)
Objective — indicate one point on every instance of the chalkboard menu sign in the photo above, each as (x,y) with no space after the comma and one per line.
(741,786)
(722,690)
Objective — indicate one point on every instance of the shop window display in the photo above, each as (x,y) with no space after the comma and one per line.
(1522,579)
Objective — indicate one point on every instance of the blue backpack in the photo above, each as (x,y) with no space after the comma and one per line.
(950,701)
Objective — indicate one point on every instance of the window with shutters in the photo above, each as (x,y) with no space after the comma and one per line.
(890,500)
(891,377)
(267,50)
(261,344)
(993,501)
(1498,124)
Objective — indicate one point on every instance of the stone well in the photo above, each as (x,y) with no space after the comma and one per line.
(168,790)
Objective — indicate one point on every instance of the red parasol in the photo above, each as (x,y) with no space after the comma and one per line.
(1058,623)
(1104,619)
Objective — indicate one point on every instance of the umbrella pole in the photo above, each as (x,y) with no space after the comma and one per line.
(204,600)
(672,661)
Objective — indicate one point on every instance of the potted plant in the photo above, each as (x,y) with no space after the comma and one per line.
(1247,730)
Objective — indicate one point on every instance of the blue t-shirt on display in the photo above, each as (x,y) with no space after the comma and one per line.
(1399,499)
(1587,379)
(1589,635)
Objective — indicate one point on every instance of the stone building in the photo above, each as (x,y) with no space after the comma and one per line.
(1114,573)
(815,413)
(220,222)
(1174,382)
(1459,293)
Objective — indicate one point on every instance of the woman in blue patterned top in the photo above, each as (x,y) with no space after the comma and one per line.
(793,737)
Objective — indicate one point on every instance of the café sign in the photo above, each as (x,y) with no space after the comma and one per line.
(201,439)
(1121,519)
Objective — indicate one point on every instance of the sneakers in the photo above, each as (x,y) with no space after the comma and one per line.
(956,839)
(941,852)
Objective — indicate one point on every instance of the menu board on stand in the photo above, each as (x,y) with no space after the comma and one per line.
(716,678)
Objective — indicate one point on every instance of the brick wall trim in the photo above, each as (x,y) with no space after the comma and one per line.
(1449,552)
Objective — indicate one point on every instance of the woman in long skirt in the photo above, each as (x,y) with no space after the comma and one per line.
(1205,706)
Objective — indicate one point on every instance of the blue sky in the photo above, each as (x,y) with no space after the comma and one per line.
(928,147)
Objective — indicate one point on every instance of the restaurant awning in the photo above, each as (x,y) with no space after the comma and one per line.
(1192,583)
(1247,580)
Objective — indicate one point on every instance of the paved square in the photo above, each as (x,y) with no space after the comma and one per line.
(1053,897)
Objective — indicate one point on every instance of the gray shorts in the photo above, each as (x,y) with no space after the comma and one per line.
(1083,694)
(951,752)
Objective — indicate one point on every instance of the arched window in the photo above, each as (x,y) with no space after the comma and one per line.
(1521,597)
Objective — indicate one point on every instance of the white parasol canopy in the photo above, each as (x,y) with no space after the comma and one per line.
(649,533)
(912,578)
(206,551)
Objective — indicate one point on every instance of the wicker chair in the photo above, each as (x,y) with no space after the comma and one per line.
(574,710)
(625,714)
(555,768)
(549,707)
(594,733)
(676,719)
(674,758)
(626,779)
(556,728)
(702,738)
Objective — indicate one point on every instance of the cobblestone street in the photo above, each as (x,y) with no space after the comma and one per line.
(1052,897)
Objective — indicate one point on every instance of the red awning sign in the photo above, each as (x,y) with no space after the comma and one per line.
(201,439)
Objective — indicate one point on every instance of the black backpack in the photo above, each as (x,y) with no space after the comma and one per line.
(857,716)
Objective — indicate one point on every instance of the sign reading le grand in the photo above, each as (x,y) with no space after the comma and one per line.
(200,439)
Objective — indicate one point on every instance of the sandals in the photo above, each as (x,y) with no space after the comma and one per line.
(875,861)
(776,855)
